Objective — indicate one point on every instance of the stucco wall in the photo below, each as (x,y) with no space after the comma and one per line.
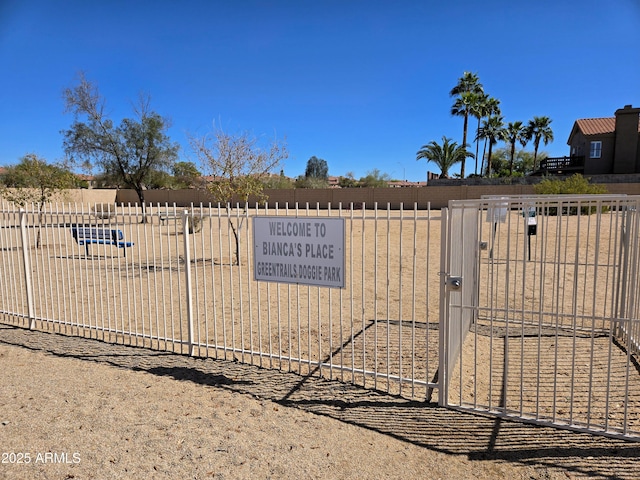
(437,196)
(86,196)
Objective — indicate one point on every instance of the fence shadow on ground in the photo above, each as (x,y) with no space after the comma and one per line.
(423,424)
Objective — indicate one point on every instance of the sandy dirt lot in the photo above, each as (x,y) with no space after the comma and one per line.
(81,408)
(73,407)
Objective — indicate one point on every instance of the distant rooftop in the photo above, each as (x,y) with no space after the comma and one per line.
(597,126)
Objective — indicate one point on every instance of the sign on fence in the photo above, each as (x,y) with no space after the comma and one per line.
(308,251)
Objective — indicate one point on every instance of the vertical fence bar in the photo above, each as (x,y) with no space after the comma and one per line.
(400,287)
(414,254)
(443,362)
(375,294)
(187,278)
(387,296)
(330,322)
(236,247)
(341,303)
(363,294)
(27,268)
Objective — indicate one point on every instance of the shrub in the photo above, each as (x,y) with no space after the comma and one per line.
(574,185)
(195,223)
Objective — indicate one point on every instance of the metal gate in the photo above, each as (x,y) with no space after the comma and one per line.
(540,311)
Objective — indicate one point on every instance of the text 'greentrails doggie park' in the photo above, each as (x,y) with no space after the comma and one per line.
(307,251)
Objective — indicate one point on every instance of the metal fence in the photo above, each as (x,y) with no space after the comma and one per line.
(187,285)
(546,316)
(536,324)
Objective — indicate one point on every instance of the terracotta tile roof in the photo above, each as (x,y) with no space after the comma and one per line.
(597,126)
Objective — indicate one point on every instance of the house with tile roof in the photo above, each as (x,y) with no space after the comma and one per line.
(607,145)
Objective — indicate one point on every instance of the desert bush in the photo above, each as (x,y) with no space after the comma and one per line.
(194,223)
(574,185)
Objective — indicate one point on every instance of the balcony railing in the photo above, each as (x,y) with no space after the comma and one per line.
(556,164)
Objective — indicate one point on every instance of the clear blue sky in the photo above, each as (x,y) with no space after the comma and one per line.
(361,84)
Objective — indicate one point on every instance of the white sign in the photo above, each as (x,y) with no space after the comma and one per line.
(497,212)
(308,251)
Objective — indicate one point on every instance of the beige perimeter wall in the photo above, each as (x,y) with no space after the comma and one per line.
(436,196)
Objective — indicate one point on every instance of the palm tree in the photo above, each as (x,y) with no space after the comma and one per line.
(444,156)
(469,91)
(485,107)
(469,82)
(514,133)
(538,129)
(492,131)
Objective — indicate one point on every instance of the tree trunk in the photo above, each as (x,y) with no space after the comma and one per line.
(484,152)
(39,234)
(513,152)
(475,171)
(237,239)
(140,192)
(464,142)
(236,234)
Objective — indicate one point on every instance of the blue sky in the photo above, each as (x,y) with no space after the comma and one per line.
(361,84)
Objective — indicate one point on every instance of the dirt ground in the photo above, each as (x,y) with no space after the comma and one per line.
(79,408)
(73,407)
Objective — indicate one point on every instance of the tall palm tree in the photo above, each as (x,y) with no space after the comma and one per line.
(514,133)
(492,131)
(468,82)
(444,156)
(468,91)
(485,107)
(538,129)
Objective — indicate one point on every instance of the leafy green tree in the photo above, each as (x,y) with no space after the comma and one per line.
(105,180)
(444,156)
(492,131)
(310,182)
(317,168)
(159,180)
(514,133)
(130,152)
(316,175)
(522,163)
(239,166)
(348,181)
(468,92)
(185,175)
(538,129)
(278,182)
(375,179)
(33,180)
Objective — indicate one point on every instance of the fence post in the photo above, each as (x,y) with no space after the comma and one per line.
(27,268)
(443,368)
(188,287)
